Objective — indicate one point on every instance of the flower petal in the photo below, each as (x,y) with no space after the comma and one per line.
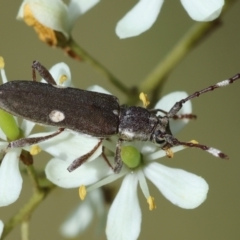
(27,127)
(203,10)
(10,178)
(79,7)
(1,227)
(52,14)
(139,19)
(58,71)
(182,188)
(79,220)
(90,172)
(124,217)
(96,88)
(167,102)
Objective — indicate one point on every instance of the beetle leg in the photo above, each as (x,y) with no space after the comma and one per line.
(23,142)
(79,161)
(107,161)
(118,160)
(43,72)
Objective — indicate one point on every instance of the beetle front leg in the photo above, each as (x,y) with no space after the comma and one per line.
(118,160)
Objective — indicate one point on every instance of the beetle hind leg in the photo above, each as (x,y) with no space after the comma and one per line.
(24,142)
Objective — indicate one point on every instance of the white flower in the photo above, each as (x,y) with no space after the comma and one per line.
(54,14)
(183,189)
(10,176)
(84,214)
(1,227)
(143,15)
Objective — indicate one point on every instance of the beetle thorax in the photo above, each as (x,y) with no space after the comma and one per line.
(136,123)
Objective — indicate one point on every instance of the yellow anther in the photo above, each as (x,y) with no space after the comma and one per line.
(82,192)
(45,34)
(169,153)
(62,79)
(35,149)
(151,203)
(144,99)
(2,63)
(194,141)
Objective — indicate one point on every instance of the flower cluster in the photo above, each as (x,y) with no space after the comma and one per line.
(183,189)
(50,17)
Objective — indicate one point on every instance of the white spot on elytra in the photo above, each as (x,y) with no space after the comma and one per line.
(56,116)
(223,83)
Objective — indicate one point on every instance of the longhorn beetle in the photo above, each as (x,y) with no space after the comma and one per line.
(95,114)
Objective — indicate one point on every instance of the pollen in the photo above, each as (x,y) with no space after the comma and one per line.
(151,203)
(35,149)
(82,192)
(169,153)
(2,63)
(144,99)
(194,141)
(45,34)
(63,78)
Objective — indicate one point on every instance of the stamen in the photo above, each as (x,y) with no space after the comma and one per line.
(63,78)
(151,203)
(2,63)
(45,34)
(144,99)
(194,141)
(35,149)
(82,192)
(169,153)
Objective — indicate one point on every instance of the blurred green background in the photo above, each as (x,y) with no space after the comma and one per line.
(218,124)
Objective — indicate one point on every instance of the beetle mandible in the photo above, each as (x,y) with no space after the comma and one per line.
(79,109)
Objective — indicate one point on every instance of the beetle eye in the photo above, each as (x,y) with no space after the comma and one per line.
(160,141)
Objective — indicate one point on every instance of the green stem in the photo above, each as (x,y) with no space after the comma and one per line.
(26,211)
(74,49)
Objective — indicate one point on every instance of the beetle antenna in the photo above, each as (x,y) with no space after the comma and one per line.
(215,152)
(178,105)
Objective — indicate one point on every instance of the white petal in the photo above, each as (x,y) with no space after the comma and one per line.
(203,10)
(2,135)
(139,19)
(182,188)
(1,227)
(124,217)
(27,127)
(52,14)
(167,102)
(96,88)
(79,7)
(57,71)
(90,172)
(79,220)
(69,146)
(3,75)
(10,178)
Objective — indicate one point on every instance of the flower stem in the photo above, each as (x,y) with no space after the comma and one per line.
(26,211)
(74,49)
